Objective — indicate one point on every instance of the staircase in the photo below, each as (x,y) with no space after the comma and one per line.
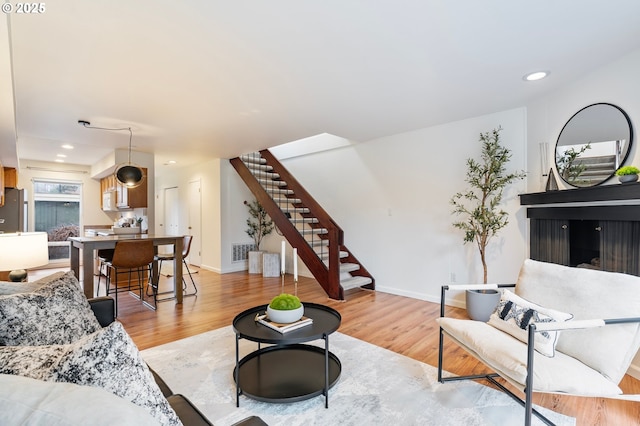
(304,224)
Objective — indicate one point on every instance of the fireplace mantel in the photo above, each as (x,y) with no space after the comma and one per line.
(629,191)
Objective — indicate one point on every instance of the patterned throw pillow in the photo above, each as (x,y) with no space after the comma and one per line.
(57,313)
(107,359)
(514,314)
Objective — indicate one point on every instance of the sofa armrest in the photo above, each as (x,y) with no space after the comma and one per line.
(187,412)
(251,421)
(104,309)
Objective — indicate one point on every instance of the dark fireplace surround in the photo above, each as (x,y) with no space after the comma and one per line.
(597,227)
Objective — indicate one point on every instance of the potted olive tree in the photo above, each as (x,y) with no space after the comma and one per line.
(259,225)
(480,212)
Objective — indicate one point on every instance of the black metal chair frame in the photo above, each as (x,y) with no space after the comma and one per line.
(160,258)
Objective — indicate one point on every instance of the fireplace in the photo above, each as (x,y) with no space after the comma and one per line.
(599,229)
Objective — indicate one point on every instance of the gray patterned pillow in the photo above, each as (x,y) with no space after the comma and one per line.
(106,359)
(57,313)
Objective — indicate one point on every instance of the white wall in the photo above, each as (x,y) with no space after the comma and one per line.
(234,214)
(616,83)
(391,197)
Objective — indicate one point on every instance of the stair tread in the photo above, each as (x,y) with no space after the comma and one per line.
(325,254)
(349,267)
(354,282)
(254,159)
(316,231)
(286,200)
(280,191)
(259,167)
(269,182)
(264,175)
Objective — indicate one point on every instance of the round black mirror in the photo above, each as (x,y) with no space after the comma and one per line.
(593,144)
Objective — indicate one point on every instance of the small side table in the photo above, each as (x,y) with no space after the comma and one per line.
(287,370)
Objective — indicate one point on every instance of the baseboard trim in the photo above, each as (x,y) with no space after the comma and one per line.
(634,371)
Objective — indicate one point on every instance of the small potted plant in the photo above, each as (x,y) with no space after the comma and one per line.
(259,226)
(627,174)
(285,308)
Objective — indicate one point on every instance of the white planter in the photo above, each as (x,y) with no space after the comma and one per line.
(255,262)
(627,178)
(285,317)
(481,303)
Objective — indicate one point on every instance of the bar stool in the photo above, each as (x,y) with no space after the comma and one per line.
(104,256)
(130,256)
(186,247)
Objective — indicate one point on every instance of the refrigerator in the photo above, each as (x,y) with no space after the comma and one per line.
(12,214)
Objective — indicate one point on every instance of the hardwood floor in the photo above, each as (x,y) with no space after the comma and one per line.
(404,325)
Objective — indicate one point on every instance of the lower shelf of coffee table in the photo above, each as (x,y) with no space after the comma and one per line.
(286,373)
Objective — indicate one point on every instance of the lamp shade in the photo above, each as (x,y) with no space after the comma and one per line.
(23,250)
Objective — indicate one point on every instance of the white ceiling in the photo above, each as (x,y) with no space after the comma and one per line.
(213,78)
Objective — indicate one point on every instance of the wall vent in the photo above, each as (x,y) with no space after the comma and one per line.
(239,253)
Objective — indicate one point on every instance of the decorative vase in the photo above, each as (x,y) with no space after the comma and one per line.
(481,303)
(627,178)
(285,317)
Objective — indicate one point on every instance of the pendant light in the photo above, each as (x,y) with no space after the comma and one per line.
(128,174)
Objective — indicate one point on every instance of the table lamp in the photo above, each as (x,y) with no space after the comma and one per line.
(21,251)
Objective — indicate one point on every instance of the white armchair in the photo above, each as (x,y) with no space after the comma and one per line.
(563,330)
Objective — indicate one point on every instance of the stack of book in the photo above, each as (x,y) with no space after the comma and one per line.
(283,328)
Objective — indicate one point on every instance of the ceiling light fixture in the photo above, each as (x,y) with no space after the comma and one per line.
(534,76)
(67,146)
(127,173)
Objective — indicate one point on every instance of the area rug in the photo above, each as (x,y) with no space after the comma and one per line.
(377,387)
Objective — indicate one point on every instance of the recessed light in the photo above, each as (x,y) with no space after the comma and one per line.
(538,75)
(58,160)
(170,162)
(67,146)
(61,155)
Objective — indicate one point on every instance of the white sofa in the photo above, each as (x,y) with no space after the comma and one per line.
(590,353)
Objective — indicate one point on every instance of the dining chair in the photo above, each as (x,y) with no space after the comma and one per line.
(186,247)
(129,257)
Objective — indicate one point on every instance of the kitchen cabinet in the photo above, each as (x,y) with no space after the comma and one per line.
(549,240)
(620,251)
(610,245)
(10,176)
(131,197)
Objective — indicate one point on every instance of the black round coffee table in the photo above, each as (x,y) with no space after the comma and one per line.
(287,370)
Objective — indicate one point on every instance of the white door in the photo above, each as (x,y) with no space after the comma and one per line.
(171,211)
(195,213)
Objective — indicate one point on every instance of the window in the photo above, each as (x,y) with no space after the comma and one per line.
(57,212)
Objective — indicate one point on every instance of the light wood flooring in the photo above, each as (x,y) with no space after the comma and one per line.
(404,325)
